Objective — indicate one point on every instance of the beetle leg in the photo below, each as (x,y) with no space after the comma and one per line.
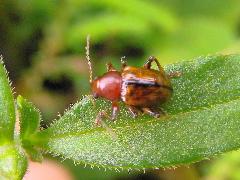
(134,111)
(92,99)
(152,112)
(100,116)
(151,59)
(123,62)
(115,109)
(110,67)
(99,121)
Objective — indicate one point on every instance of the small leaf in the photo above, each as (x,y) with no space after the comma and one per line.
(29,118)
(202,120)
(13,163)
(7,109)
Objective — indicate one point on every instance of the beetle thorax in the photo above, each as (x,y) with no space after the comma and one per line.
(108,86)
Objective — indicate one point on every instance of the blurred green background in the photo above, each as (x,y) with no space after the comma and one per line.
(43,42)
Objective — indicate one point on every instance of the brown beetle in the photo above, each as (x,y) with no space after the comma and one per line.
(140,88)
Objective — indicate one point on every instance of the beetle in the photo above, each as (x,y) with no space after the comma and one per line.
(142,89)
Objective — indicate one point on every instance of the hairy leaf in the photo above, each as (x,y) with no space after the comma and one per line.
(202,120)
(13,163)
(7,109)
(29,118)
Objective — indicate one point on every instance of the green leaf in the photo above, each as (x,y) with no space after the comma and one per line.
(29,118)
(202,120)
(13,163)
(7,109)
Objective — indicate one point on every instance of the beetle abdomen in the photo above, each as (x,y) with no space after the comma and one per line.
(144,87)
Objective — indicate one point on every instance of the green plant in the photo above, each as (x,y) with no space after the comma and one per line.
(201,121)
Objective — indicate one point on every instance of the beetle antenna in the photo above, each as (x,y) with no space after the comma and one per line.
(88,58)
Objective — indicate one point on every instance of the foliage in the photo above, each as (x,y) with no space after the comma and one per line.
(29,118)
(13,162)
(7,110)
(43,45)
(201,121)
